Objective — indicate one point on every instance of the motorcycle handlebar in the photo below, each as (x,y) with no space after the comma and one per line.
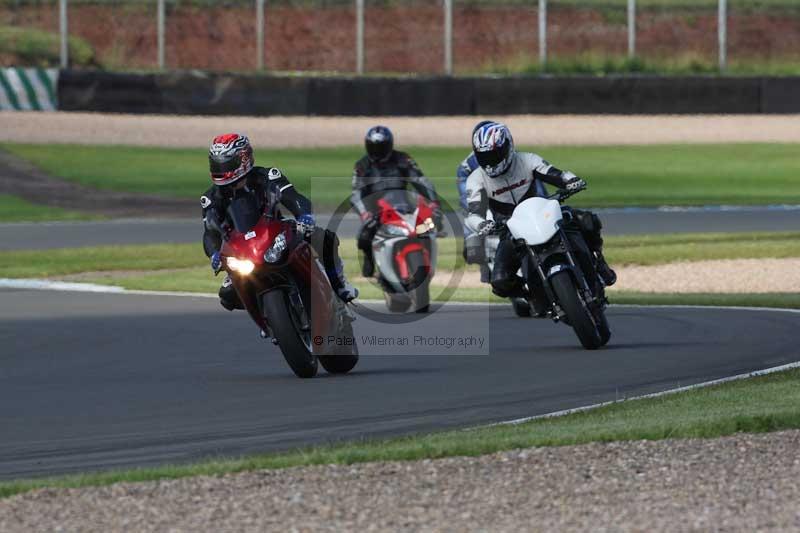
(563,194)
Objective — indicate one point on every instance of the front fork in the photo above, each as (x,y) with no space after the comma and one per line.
(563,248)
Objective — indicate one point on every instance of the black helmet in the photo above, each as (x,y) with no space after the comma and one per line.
(379,143)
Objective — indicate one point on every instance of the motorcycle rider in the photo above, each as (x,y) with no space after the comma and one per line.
(381,173)
(233,173)
(474,244)
(504,179)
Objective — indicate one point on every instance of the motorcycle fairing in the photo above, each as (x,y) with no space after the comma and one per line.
(535,220)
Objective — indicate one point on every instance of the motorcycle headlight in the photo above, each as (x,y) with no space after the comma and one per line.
(275,252)
(391,229)
(240,266)
(426,226)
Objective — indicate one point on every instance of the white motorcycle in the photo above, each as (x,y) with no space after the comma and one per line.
(558,266)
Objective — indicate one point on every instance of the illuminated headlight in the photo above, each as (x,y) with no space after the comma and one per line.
(426,226)
(391,229)
(275,252)
(240,266)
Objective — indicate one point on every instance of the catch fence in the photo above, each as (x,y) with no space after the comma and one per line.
(404,36)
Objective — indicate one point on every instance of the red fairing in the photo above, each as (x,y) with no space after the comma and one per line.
(253,244)
(389,214)
(424,210)
(400,258)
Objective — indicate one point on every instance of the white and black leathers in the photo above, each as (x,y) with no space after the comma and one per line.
(525,178)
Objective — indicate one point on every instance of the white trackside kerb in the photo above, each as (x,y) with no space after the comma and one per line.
(535,220)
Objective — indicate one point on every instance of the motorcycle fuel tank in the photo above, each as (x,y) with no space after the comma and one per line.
(535,220)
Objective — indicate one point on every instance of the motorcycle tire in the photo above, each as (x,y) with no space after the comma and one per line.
(281,317)
(603,327)
(345,358)
(521,307)
(422,298)
(579,316)
(397,302)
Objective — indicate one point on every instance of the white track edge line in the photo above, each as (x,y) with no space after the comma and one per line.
(705,384)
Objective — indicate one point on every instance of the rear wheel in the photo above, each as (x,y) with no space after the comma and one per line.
(521,307)
(345,357)
(291,328)
(579,316)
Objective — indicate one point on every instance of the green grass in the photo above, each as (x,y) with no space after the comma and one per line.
(620,250)
(39,48)
(13,209)
(677,65)
(617,175)
(755,405)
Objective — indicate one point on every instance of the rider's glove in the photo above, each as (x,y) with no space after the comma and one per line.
(573,183)
(306,223)
(216,262)
(366,215)
(486,227)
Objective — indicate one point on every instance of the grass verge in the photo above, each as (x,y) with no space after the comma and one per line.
(756,405)
(620,250)
(617,175)
(13,209)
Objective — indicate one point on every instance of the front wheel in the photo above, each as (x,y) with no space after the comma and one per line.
(345,357)
(291,328)
(579,316)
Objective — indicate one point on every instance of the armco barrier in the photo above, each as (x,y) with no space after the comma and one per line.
(231,94)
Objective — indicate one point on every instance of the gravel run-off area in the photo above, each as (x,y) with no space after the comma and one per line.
(741,483)
(298,132)
(718,276)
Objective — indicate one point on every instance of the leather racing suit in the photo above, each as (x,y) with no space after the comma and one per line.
(390,180)
(525,178)
(270,189)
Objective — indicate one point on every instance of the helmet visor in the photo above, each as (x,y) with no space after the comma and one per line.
(219,168)
(378,151)
(493,158)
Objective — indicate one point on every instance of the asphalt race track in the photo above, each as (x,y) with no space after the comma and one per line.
(94,381)
(21,236)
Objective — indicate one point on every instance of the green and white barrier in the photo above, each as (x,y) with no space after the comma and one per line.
(28,89)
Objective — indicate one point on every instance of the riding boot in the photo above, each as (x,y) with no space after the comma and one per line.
(227,295)
(606,273)
(368,266)
(486,273)
(344,289)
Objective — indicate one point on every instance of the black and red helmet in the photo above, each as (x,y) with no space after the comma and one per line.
(230,158)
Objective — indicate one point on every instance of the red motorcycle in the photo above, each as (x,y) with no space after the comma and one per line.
(404,249)
(283,286)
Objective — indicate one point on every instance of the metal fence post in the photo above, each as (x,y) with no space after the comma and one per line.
(631,29)
(543,34)
(360,36)
(723,34)
(260,34)
(448,37)
(63,28)
(160,24)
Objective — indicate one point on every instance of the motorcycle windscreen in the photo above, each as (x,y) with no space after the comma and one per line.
(400,201)
(244,212)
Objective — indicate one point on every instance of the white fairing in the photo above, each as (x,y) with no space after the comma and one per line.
(535,220)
